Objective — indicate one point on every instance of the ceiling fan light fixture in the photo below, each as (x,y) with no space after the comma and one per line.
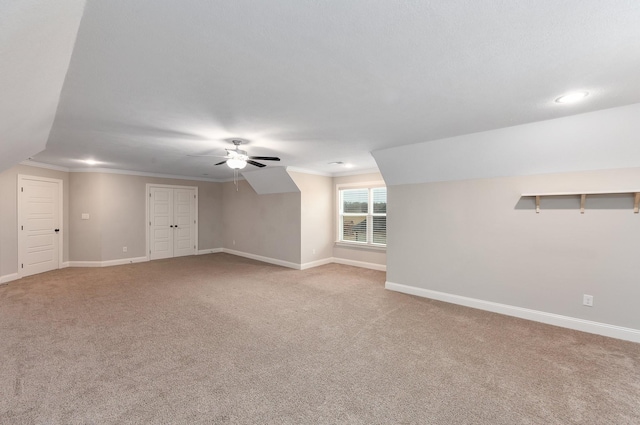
(236,163)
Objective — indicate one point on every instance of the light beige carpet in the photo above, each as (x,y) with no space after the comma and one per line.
(218,339)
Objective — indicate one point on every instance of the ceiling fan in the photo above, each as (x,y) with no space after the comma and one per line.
(237,159)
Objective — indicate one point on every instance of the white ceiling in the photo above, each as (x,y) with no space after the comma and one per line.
(151,81)
(36,42)
(599,140)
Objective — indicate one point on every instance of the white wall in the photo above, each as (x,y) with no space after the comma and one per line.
(116,204)
(479,239)
(316,216)
(295,229)
(261,225)
(85,236)
(459,232)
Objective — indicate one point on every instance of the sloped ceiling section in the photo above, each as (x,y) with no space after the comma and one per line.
(271,180)
(36,42)
(315,82)
(606,139)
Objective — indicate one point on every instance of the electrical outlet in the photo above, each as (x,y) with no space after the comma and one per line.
(124,249)
(587,300)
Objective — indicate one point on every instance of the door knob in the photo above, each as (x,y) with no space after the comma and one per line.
(56,230)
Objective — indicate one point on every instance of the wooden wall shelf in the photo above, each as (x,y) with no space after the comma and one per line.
(583,197)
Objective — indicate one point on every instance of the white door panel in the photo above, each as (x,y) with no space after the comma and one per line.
(160,219)
(40,241)
(184,213)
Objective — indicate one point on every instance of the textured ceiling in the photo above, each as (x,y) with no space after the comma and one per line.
(151,82)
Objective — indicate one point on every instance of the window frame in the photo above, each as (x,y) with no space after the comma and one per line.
(370,186)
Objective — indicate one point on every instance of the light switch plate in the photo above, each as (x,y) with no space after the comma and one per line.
(85,216)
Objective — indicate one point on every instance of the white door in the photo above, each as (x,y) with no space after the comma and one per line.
(172,222)
(39,220)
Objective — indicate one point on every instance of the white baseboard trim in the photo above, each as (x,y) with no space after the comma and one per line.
(108,263)
(613,331)
(85,263)
(263,259)
(209,251)
(308,265)
(363,264)
(8,278)
(316,263)
(311,264)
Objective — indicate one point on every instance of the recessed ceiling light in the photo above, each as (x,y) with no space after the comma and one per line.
(90,161)
(341,164)
(572,97)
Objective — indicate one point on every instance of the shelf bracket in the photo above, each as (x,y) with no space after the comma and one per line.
(583,199)
(636,204)
(538,204)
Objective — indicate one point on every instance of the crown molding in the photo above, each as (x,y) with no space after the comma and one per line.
(357,172)
(141,173)
(307,171)
(32,163)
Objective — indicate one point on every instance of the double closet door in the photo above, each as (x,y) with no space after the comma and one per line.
(172,222)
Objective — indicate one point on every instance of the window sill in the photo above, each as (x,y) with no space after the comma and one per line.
(363,246)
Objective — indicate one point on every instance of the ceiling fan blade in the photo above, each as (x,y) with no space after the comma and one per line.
(214,156)
(265,158)
(257,164)
(222,162)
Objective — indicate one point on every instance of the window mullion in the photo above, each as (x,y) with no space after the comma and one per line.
(370,218)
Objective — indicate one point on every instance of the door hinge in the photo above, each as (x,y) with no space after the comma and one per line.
(22,189)
(194,247)
(149,194)
(194,222)
(21,227)
(194,196)
(22,266)
(149,223)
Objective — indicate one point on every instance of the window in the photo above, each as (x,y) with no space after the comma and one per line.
(363,216)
